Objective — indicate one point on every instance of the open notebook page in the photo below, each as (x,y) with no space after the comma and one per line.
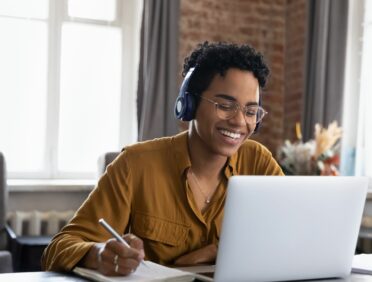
(154,272)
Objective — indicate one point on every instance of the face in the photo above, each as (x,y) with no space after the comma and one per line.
(224,137)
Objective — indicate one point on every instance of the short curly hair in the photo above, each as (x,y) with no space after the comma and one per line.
(216,58)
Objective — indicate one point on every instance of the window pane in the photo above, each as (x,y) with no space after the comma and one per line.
(92,9)
(366,90)
(368,9)
(24,8)
(23,54)
(90,95)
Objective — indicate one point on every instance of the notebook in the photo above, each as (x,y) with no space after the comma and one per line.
(289,228)
(362,263)
(151,272)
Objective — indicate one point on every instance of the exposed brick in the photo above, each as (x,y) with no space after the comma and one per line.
(276,28)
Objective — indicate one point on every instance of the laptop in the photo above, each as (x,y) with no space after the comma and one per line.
(289,228)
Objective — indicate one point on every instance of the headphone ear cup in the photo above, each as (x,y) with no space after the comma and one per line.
(189,113)
(184,108)
(179,108)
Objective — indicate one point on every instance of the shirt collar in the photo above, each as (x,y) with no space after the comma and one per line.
(180,145)
(230,168)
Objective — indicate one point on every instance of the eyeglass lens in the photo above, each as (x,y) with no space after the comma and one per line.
(252,114)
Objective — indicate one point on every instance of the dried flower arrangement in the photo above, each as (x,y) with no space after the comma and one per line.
(319,156)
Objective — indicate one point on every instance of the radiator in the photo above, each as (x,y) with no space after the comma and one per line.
(38,223)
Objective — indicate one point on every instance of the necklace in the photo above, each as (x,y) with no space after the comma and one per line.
(207,198)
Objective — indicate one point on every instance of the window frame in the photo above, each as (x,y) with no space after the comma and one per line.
(128,19)
(354,115)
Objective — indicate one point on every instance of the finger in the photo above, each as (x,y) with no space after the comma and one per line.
(99,255)
(127,265)
(112,258)
(121,270)
(107,253)
(117,248)
(135,243)
(123,266)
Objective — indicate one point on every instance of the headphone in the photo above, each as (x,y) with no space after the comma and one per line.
(185,103)
(185,107)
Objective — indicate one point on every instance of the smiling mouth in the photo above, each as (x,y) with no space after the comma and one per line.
(233,135)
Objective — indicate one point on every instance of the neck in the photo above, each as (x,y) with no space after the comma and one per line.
(204,161)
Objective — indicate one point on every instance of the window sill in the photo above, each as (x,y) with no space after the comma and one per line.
(51,185)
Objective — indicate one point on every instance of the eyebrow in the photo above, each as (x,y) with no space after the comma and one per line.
(232,99)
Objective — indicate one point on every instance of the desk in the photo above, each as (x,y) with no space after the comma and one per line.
(66,277)
(40,276)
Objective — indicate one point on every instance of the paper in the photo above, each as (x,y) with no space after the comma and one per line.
(201,272)
(154,272)
(362,264)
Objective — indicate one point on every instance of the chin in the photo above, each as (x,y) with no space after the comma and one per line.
(227,152)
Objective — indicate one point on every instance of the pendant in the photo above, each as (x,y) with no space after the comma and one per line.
(207,201)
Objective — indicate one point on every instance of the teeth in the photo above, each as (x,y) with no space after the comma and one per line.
(230,134)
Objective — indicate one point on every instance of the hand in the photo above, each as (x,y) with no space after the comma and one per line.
(112,258)
(206,254)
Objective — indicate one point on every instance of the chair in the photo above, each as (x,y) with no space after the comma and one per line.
(25,251)
(104,160)
(5,255)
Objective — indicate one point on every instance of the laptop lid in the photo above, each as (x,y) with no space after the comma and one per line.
(289,228)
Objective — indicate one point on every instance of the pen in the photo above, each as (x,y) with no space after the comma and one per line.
(116,235)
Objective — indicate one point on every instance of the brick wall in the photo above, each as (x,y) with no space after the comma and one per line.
(294,65)
(275,28)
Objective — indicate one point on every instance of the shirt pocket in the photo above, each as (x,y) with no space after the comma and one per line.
(159,229)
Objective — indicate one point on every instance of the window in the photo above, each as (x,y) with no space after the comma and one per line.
(357,120)
(364,145)
(68,80)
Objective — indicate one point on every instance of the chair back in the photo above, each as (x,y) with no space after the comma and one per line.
(104,160)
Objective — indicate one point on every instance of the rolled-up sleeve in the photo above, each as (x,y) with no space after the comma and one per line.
(112,194)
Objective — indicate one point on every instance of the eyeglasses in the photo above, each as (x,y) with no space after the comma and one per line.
(253,114)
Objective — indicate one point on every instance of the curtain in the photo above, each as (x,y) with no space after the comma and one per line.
(157,82)
(326,41)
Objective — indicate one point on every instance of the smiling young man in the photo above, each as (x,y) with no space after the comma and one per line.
(170,192)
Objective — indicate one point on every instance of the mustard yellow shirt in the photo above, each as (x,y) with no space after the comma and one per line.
(145,191)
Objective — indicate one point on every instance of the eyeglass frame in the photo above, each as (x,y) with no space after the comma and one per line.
(237,107)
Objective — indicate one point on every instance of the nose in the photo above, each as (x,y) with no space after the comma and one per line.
(239,118)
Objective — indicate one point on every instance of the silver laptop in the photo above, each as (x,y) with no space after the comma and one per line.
(289,228)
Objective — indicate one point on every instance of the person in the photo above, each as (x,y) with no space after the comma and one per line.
(167,195)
